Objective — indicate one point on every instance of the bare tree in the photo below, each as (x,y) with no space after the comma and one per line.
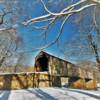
(49,18)
(8,45)
(72,9)
(9,39)
(67,12)
(86,43)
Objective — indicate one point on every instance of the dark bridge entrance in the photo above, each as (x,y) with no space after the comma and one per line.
(41,63)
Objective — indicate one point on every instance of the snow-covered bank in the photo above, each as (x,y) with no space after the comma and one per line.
(50,94)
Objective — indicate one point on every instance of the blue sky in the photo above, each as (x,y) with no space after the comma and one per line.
(30,37)
(26,9)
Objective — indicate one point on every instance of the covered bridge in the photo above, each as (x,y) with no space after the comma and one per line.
(64,73)
(51,71)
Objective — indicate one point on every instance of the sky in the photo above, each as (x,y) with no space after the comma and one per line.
(31,38)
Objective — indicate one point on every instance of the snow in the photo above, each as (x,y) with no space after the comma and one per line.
(45,72)
(50,94)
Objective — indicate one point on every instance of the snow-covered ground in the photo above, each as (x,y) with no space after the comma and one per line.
(50,94)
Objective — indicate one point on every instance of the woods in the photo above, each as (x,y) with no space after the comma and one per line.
(83,14)
(88,25)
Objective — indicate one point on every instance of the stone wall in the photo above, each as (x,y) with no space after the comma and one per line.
(24,80)
(42,79)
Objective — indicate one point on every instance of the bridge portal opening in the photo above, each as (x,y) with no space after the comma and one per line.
(41,63)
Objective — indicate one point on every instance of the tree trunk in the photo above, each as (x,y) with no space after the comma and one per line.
(98,62)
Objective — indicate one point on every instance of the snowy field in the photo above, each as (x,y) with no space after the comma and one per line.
(50,94)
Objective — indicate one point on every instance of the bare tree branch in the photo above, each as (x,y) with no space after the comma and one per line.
(64,12)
